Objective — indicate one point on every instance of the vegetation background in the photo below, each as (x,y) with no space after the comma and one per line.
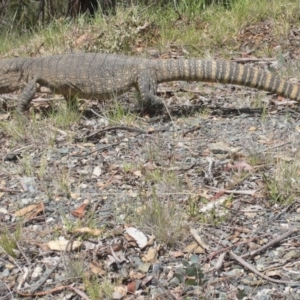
(81,176)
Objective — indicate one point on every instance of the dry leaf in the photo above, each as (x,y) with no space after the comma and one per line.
(176,254)
(25,210)
(61,245)
(4,116)
(136,275)
(137,173)
(2,209)
(234,236)
(44,247)
(282,101)
(83,39)
(274,274)
(239,165)
(150,165)
(193,248)
(119,292)
(79,212)
(212,205)
(74,196)
(138,236)
(141,209)
(91,231)
(96,172)
(151,130)
(131,287)
(96,268)
(30,211)
(150,256)
(146,280)
(151,240)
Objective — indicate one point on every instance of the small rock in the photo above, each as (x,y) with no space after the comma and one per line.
(37,227)
(63,150)
(50,220)
(37,272)
(291,254)
(3,210)
(83,186)
(144,267)
(26,201)
(219,148)
(234,273)
(5,273)
(28,184)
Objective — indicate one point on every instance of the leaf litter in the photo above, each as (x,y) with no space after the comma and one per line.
(201,207)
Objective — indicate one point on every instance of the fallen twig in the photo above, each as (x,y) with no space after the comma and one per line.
(274,147)
(252,269)
(251,193)
(193,129)
(3,189)
(198,239)
(43,279)
(78,292)
(283,211)
(130,129)
(219,262)
(55,290)
(212,255)
(271,243)
(97,150)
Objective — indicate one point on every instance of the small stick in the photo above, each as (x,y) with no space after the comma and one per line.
(130,129)
(198,239)
(271,243)
(274,147)
(231,191)
(219,262)
(252,269)
(97,150)
(212,255)
(44,278)
(283,211)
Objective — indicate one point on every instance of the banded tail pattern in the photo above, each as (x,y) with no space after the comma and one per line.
(226,72)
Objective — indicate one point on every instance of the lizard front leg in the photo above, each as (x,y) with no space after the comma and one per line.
(147,86)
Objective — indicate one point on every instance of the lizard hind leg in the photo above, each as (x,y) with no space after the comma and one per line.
(147,86)
(27,95)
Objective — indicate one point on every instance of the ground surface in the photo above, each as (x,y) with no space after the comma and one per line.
(214,188)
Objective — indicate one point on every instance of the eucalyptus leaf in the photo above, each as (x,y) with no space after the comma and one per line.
(191,281)
(191,271)
(180,271)
(194,259)
(185,263)
(180,277)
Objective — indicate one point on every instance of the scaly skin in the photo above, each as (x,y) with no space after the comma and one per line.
(102,76)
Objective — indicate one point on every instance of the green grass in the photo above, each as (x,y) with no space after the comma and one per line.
(9,240)
(97,289)
(163,219)
(200,29)
(117,115)
(74,267)
(65,116)
(282,185)
(41,130)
